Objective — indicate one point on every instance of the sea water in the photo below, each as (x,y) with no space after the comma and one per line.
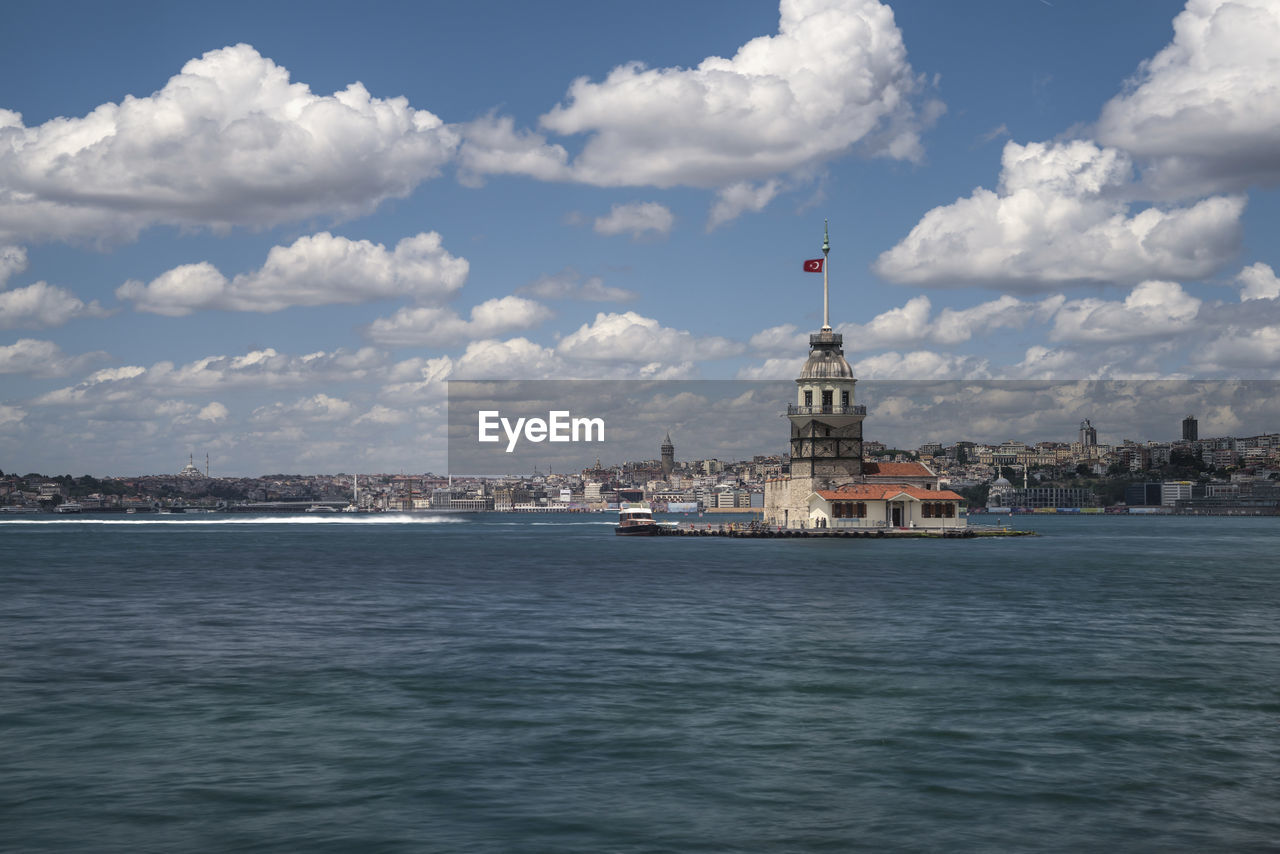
(513,683)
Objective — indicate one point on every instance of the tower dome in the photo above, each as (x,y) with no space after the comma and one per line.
(190,470)
(826,358)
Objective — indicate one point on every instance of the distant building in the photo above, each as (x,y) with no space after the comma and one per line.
(1142,494)
(1190,429)
(1053,496)
(1088,435)
(1171,492)
(1001,493)
(48,490)
(668,457)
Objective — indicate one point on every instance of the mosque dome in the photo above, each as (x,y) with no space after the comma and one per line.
(826,358)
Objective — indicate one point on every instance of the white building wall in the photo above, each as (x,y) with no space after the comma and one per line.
(1172,492)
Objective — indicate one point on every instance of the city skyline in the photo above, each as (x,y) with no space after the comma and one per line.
(272,234)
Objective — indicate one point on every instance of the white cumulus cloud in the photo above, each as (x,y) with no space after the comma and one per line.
(11,415)
(915,323)
(13,259)
(920,365)
(636,219)
(833,77)
(1206,108)
(213,413)
(492,146)
(743,197)
(1258,281)
(1238,349)
(42,359)
(516,358)
(230,140)
(441,327)
(630,337)
(316,408)
(1152,309)
(319,269)
(257,369)
(42,305)
(380,414)
(1059,218)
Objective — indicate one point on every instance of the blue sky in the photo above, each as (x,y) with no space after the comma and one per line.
(271,232)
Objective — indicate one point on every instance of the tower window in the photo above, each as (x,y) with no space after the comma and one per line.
(844,398)
(826,399)
(808,398)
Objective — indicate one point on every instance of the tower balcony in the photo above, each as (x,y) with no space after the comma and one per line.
(859,409)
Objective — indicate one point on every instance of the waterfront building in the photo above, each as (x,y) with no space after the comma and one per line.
(1142,495)
(1001,493)
(1052,496)
(1173,491)
(829,485)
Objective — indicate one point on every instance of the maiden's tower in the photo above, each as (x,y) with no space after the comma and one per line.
(830,486)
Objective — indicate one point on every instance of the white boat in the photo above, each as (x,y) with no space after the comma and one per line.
(321,508)
(636,520)
(70,507)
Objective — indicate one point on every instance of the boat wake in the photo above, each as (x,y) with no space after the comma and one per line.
(376,519)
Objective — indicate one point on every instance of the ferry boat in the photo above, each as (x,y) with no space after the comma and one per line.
(636,520)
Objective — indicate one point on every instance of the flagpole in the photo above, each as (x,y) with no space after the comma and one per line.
(826,294)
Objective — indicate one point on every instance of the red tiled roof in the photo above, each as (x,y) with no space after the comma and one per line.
(896,470)
(886,492)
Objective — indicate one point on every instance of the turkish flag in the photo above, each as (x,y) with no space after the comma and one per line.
(813,266)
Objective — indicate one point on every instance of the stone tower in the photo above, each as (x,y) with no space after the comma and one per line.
(668,457)
(826,424)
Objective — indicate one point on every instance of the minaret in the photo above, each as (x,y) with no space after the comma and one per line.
(668,457)
(826,424)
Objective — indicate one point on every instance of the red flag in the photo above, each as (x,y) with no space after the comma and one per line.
(813,266)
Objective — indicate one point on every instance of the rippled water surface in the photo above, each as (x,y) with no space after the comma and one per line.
(514,683)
